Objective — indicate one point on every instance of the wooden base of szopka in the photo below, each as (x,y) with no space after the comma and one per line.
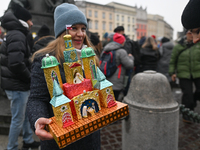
(86,126)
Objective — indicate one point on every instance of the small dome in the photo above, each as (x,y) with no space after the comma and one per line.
(49,61)
(87,52)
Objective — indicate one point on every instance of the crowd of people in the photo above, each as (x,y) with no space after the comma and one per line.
(24,83)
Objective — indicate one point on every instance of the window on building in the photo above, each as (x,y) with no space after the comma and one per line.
(103,15)
(133,28)
(122,18)
(117,24)
(96,25)
(104,25)
(90,24)
(90,13)
(96,14)
(110,26)
(141,26)
(133,20)
(138,26)
(117,17)
(129,28)
(144,26)
(128,19)
(110,16)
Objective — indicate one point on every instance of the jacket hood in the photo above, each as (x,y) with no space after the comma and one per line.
(112,46)
(10,22)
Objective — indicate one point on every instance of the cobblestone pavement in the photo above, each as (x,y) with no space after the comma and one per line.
(189,134)
(111,136)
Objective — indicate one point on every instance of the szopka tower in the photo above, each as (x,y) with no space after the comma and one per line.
(72,66)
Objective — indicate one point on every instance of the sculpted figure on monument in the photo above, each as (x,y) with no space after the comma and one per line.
(53,3)
(50,4)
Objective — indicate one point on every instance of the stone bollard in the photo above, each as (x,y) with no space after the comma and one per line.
(153,120)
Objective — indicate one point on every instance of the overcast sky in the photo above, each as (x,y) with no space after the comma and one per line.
(171,10)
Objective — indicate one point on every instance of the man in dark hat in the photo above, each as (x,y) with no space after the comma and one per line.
(191,19)
(15,73)
(119,29)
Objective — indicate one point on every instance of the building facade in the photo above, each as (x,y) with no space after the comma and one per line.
(100,17)
(135,20)
(141,22)
(158,27)
(168,31)
(125,16)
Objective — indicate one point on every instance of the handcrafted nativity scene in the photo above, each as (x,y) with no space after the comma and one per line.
(86,102)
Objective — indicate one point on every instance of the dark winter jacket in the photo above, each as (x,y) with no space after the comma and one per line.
(42,42)
(38,106)
(132,47)
(148,58)
(15,53)
(128,45)
(165,56)
(188,61)
(122,58)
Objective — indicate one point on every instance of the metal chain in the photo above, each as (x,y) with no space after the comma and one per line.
(189,114)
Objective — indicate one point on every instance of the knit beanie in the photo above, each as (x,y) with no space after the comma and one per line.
(44,31)
(105,35)
(191,15)
(110,36)
(119,28)
(94,39)
(67,14)
(153,36)
(164,40)
(119,38)
(20,12)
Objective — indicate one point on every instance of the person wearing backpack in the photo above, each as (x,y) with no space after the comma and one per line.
(131,47)
(122,60)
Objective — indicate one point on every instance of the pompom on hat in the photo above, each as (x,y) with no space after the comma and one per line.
(119,38)
(67,14)
(20,12)
(191,15)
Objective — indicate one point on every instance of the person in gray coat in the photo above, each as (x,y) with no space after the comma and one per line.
(165,55)
(124,61)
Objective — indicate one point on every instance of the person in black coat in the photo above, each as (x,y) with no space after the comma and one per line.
(149,55)
(15,73)
(97,44)
(42,39)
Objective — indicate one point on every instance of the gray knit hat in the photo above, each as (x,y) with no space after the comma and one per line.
(67,14)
